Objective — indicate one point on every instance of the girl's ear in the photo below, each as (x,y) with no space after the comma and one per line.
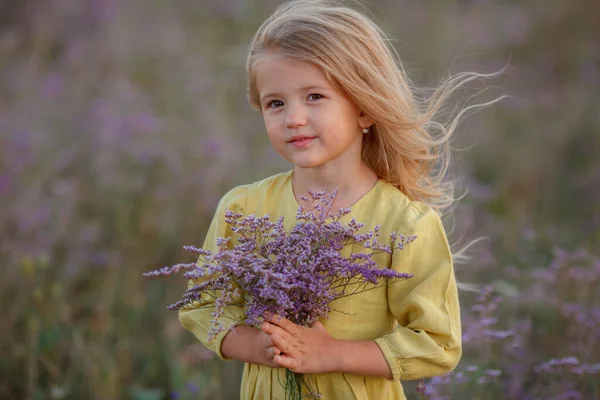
(364,121)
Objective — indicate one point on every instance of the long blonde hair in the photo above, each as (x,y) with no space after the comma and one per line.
(406,146)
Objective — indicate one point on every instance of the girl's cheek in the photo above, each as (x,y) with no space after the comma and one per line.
(272,123)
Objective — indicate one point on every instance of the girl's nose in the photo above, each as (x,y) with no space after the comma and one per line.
(295,116)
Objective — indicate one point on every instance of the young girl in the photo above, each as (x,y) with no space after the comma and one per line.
(337,104)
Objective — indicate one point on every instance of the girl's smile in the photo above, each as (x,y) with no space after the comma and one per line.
(301,141)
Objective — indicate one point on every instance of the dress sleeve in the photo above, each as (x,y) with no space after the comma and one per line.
(197,320)
(427,340)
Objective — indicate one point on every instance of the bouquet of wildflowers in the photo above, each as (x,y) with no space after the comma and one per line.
(294,274)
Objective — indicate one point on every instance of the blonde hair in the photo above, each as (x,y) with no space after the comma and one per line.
(405,145)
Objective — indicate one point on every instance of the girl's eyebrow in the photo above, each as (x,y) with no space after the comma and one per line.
(302,89)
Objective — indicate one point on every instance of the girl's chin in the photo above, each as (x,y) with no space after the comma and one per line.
(304,161)
(306,164)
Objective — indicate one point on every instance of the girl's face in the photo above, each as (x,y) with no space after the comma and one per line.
(308,122)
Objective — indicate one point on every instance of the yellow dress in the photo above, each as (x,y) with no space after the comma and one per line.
(415,322)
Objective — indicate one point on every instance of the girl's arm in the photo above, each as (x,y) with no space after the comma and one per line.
(427,341)
(362,357)
(251,345)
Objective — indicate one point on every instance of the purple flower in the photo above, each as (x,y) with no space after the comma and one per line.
(296,274)
(192,388)
(422,390)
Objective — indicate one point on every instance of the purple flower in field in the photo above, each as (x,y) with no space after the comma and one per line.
(144,122)
(591,369)
(551,366)
(569,395)
(567,289)
(422,390)
(52,85)
(493,373)
(192,388)
(5,183)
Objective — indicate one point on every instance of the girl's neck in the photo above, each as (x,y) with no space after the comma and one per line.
(351,183)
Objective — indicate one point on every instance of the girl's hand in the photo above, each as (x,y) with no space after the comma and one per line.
(266,350)
(251,345)
(303,350)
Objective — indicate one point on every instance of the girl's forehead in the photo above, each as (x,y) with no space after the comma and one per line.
(287,65)
(288,72)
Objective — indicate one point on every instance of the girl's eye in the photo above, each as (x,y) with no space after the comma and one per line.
(274,104)
(314,96)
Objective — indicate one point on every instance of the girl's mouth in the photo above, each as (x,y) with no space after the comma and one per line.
(302,142)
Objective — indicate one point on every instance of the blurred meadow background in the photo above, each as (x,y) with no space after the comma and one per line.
(122,124)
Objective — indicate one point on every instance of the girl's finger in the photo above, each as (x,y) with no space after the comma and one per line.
(271,330)
(284,323)
(285,361)
(273,351)
(281,343)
